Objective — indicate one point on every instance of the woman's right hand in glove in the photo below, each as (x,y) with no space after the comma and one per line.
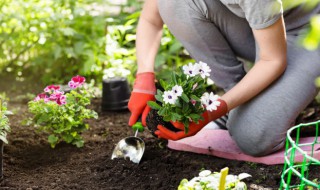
(143,91)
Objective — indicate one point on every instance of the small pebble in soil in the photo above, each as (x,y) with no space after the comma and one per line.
(258,187)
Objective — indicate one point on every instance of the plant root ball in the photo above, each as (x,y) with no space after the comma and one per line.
(153,120)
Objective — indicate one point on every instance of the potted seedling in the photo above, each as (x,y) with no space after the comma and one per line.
(62,115)
(115,89)
(183,98)
(208,180)
(4,130)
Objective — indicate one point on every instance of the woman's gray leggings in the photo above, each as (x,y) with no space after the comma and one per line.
(213,34)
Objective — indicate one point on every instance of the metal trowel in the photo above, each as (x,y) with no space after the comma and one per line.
(130,147)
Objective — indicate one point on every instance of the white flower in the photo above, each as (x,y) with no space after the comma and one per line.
(204,173)
(231,178)
(212,186)
(109,73)
(169,97)
(209,81)
(241,186)
(205,98)
(210,101)
(124,72)
(243,176)
(190,70)
(177,90)
(115,72)
(203,69)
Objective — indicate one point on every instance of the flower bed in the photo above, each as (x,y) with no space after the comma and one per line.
(30,162)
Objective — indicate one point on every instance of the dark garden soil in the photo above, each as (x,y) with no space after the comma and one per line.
(30,163)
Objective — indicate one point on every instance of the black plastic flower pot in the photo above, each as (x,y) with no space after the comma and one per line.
(115,94)
(154,119)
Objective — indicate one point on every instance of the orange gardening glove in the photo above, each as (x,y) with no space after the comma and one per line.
(143,91)
(194,128)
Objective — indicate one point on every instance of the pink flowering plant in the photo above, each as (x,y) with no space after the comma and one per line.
(62,115)
(184,97)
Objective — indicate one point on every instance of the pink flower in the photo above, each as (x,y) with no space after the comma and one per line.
(76,81)
(56,95)
(52,87)
(42,96)
(61,100)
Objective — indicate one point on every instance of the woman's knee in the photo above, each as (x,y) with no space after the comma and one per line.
(258,144)
(257,148)
(257,135)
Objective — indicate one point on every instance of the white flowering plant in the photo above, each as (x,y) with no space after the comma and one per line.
(208,180)
(62,115)
(184,97)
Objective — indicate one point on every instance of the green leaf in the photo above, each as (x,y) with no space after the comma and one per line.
(154,105)
(178,104)
(195,98)
(160,60)
(195,117)
(173,78)
(43,118)
(67,31)
(4,138)
(159,98)
(88,65)
(186,126)
(185,98)
(68,138)
(161,112)
(79,47)
(185,107)
(167,118)
(175,47)
(176,117)
(53,140)
(79,143)
(163,84)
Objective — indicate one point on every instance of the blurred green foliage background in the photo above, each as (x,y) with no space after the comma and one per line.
(53,40)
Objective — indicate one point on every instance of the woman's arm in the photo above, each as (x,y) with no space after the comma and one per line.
(271,64)
(149,34)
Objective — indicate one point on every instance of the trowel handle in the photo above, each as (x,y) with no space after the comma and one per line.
(138,127)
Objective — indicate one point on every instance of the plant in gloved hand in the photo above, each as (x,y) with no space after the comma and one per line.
(184,97)
(62,115)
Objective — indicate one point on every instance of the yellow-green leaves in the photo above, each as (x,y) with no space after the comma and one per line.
(312,40)
(318,82)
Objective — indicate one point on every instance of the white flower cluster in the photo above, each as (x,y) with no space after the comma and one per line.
(200,68)
(209,101)
(210,181)
(115,72)
(170,97)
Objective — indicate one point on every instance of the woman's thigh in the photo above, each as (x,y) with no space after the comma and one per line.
(259,126)
(212,34)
